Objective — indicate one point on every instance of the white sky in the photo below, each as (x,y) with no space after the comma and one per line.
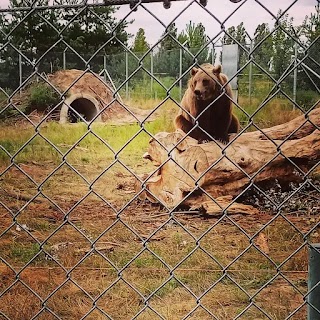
(251,13)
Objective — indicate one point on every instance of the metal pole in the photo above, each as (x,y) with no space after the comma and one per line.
(212,54)
(36,70)
(20,73)
(64,60)
(151,70)
(295,73)
(250,74)
(127,75)
(314,282)
(180,74)
(105,67)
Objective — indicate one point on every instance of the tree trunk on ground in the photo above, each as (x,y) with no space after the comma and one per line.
(223,172)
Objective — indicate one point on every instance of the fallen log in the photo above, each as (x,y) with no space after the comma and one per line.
(284,152)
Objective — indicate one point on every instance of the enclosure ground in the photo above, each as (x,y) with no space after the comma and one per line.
(86,240)
(224,256)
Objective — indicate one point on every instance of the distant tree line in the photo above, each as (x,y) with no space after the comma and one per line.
(42,35)
(176,51)
(89,33)
(274,48)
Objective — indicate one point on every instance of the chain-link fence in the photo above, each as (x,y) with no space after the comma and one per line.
(114,214)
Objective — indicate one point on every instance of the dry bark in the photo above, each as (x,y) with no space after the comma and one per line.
(185,165)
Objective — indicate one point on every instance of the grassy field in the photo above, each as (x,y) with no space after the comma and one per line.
(72,236)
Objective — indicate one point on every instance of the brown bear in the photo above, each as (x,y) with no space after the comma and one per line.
(207,102)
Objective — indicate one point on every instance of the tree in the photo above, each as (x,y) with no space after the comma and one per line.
(168,41)
(311,30)
(262,44)
(196,40)
(140,47)
(31,35)
(229,36)
(87,32)
(283,44)
(193,37)
(237,35)
(140,44)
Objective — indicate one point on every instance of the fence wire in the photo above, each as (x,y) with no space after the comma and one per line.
(79,240)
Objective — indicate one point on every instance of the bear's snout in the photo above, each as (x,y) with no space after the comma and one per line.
(200,95)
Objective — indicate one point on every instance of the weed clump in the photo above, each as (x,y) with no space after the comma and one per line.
(38,96)
(41,97)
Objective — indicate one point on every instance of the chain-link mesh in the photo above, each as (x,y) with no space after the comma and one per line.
(77,241)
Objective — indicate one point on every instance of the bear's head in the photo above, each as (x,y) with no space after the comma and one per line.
(206,82)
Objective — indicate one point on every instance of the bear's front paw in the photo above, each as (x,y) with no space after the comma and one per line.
(223,139)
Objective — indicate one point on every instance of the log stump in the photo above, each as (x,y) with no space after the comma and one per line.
(284,152)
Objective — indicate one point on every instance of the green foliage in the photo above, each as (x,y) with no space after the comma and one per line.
(24,253)
(237,35)
(283,45)
(169,37)
(84,30)
(143,89)
(194,39)
(194,34)
(307,98)
(41,97)
(8,111)
(311,30)
(263,46)
(274,50)
(140,43)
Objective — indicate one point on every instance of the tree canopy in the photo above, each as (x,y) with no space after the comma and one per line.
(41,36)
(140,44)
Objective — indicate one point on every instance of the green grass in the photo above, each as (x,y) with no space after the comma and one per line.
(144,89)
(114,141)
(23,253)
(276,111)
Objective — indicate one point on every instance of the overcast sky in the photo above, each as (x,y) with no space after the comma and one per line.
(251,13)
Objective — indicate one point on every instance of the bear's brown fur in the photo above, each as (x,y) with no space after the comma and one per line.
(207,102)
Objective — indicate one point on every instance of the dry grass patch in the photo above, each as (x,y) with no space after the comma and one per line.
(84,247)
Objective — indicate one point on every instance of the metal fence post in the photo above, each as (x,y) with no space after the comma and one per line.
(314,282)
(250,74)
(295,73)
(105,67)
(127,74)
(20,73)
(180,73)
(212,54)
(64,60)
(250,68)
(151,70)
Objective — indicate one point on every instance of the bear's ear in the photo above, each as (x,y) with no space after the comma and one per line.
(217,69)
(193,71)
